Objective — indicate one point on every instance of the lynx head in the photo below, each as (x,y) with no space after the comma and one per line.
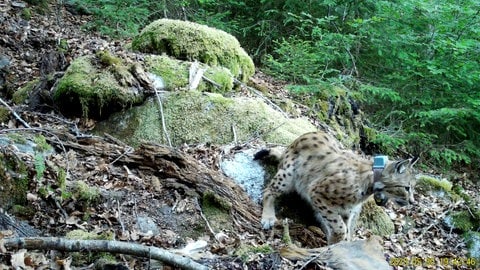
(396,183)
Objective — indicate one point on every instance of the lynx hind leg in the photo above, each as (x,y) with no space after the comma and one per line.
(333,226)
(280,184)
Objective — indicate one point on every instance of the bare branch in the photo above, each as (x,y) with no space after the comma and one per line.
(69,245)
(25,124)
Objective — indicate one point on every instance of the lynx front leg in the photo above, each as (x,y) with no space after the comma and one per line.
(280,184)
(268,212)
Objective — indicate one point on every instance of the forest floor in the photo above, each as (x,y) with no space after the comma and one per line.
(422,240)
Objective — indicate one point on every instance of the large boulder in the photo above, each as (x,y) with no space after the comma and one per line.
(191,41)
(196,117)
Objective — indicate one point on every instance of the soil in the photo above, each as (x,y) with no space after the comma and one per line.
(169,188)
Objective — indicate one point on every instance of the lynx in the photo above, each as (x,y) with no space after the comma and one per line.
(334,182)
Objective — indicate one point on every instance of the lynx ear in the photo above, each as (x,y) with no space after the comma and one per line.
(402,166)
(414,160)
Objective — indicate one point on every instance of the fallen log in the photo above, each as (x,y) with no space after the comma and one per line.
(70,245)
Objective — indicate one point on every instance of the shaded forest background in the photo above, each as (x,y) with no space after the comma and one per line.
(412,66)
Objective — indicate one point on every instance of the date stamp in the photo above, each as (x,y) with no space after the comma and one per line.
(434,261)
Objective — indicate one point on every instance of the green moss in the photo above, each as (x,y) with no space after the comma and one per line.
(84,192)
(108,59)
(175,74)
(80,258)
(427,183)
(62,179)
(17,138)
(22,211)
(26,14)
(62,46)
(375,219)
(14,175)
(195,117)
(212,199)
(90,91)
(462,221)
(191,41)
(44,191)
(21,95)
(370,133)
(4,115)
(84,235)
(217,211)
(41,144)
(244,252)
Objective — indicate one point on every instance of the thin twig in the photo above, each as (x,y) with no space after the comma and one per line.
(234,135)
(212,82)
(120,216)
(197,205)
(25,124)
(127,151)
(163,119)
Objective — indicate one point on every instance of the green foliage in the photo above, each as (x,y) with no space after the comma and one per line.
(413,65)
(39,162)
(116,18)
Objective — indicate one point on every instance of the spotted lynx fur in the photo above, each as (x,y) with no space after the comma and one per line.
(335,182)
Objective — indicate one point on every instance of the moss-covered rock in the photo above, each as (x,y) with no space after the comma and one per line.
(191,41)
(333,106)
(14,175)
(462,220)
(175,74)
(92,87)
(21,95)
(375,219)
(195,117)
(438,187)
(217,211)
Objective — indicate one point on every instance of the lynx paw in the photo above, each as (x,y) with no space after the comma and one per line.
(268,222)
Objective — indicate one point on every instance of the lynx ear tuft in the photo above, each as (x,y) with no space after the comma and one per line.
(414,160)
(402,166)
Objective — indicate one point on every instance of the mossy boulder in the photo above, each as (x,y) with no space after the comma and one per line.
(96,85)
(14,171)
(15,180)
(191,41)
(435,186)
(175,74)
(21,95)
(334,106)
(375,219)
(195,117)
